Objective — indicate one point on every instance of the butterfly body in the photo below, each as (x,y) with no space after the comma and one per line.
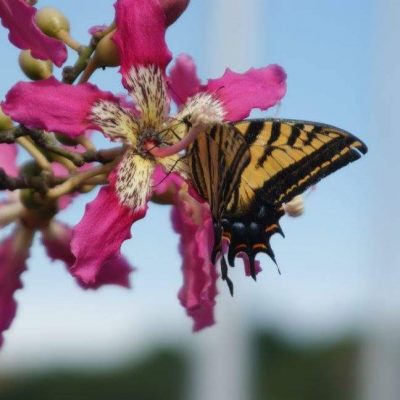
(248,170)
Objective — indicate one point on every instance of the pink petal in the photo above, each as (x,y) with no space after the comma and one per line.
(192,220)
(8,159)
(13,256)
(199,275)
(183,80)
(173,9)
(54,106)
(18,17)
(114,271)
(97,29)
(140,34)
(246,263)
(257,88)
(57,240)
(98,237)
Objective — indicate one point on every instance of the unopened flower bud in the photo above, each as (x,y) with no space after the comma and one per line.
(34,69)
(106,54)
(54,24)
(295,207)
(51,21)
(5,121)
(173,9)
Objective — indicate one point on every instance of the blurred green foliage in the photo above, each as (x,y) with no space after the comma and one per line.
(293,371)
(160,376)
(283,370)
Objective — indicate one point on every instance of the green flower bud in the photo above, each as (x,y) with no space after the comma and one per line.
(106,54)
(51,21)
(5,121)
(34,69)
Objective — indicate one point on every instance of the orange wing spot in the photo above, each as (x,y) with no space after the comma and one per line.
(241,247)
(271,228)
(259,246)
(227,235)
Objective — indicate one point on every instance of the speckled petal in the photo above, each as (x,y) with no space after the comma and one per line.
(116,122)
(133,184)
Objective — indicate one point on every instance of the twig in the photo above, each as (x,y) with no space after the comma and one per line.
(40,183)
(38,156)
(70,74)
(77,180)
(11,135)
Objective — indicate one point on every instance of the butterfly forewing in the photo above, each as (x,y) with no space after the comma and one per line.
(246,172)
(289,156)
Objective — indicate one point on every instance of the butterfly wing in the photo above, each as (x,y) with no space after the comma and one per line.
(246,172)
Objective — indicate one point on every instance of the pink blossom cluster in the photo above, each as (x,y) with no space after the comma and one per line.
(91,250)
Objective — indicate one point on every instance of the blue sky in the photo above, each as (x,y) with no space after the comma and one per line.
(327,50)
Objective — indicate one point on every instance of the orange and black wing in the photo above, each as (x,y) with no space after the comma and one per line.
(248,170)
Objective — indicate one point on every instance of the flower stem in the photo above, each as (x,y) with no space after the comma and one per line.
(77,180)
(65,36)
(34,152)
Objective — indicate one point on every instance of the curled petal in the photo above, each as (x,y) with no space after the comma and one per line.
(183,80)
(192,220)
(14,252)
(18,17)
(96,29)
(114,271)
(246,263)
(240,93)
(173,9)
(140,34)
(57,240)
(54,106)
(8,159)
(98,237)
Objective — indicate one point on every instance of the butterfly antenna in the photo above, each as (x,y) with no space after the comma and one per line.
(168,173)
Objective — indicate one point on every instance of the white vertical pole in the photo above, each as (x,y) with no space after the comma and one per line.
(380,378)
(221,356)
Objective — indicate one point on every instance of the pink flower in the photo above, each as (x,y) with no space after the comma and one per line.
(56,237)
(152,140)
(19,18)
(192,220)
(14,252)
